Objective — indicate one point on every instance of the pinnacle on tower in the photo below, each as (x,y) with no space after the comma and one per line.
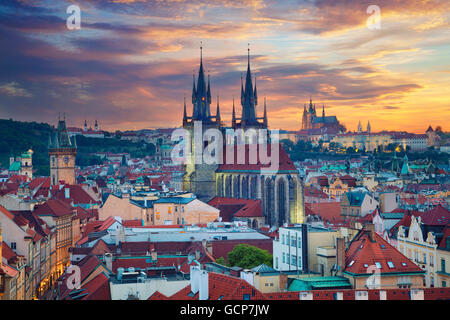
(233,119)
(218,111)
(265,114)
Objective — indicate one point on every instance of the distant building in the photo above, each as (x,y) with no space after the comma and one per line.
(22,165)
(311,120)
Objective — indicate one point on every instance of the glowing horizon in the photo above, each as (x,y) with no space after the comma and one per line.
(131,63)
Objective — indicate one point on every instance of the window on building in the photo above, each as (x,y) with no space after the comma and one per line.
(294,260)
(293,241)
(276,263)
(282,239)
(13,246)
(299,241)
(287,258)
(378,264)
(431,260)
(442,265)
(284,257)
(390,264)
(351,263)
(444,284)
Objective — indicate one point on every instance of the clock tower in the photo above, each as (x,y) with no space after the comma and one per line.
(62,151)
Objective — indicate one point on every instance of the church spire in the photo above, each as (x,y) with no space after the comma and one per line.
(201,95)
(248,105)
(368,127)
(323,111)
(184,112)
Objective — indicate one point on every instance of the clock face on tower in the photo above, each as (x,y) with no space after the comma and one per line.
(66,159)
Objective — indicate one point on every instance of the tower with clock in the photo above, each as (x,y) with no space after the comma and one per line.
(62,151)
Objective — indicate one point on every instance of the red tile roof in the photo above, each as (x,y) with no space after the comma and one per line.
(329,211)
(368,248)
(234,207)
(158,296)
(222,287)
(438,216)
(53,207)
(77,195)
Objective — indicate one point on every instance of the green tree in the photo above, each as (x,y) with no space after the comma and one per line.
(221,261)
(247,257)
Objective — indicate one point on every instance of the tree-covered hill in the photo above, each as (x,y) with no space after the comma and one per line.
(17,137)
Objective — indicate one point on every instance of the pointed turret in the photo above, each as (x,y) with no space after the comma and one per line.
(85,125)
(185,118)
(368,127)
(359,127)
(265,114)
(96,126)
(208,93)
(233,118)
(218,111)
(194,91)
(323,111)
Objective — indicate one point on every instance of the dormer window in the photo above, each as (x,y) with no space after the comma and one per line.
(378,265)
(351,263)
(390,264)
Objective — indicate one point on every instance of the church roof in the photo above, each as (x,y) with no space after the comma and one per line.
(285,164)
(327,119)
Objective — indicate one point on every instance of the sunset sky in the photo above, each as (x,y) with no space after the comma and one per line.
(131,63)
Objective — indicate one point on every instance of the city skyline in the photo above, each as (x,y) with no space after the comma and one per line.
(131,63)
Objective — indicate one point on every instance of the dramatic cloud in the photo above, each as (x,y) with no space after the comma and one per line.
(131,64)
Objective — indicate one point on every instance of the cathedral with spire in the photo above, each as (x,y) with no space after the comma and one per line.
(311,120)
(280,191)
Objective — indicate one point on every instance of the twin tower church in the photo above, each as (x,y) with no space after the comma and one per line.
(280,191)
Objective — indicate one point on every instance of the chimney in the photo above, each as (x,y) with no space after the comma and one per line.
(203,285)
(195,279)
(340,254)
(197,255)
(154,255)
(108,260)
(370,228)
